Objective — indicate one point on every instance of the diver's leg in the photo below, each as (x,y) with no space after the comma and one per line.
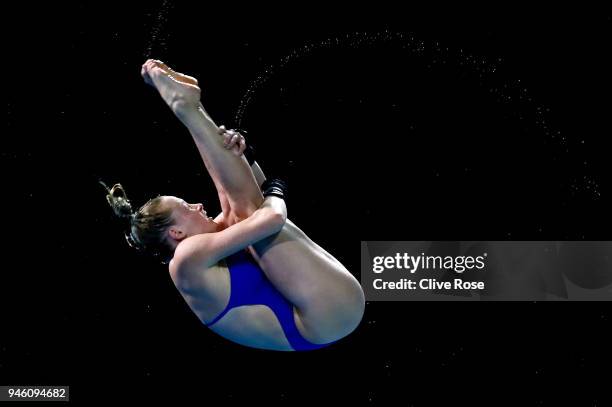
(231,174)
(329,302)
(260,176)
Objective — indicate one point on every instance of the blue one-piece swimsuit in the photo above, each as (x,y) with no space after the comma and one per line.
(250,286)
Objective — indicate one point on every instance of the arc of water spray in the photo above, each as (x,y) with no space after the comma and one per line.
(353,40)
(160,20)
(484,67)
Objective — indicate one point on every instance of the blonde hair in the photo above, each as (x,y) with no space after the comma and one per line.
(147,226)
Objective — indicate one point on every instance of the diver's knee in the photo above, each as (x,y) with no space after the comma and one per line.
(347,312)
(354,310)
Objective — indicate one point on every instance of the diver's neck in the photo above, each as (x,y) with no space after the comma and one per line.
(220,226)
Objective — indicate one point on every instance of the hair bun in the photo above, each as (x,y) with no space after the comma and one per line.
(117,199)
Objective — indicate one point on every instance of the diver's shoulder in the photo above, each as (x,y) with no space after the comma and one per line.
(192,253)
(206,290)
(187,264)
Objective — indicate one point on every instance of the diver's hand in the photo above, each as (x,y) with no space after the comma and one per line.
(233,141)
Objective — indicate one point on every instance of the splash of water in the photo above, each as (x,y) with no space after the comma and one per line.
(161,19)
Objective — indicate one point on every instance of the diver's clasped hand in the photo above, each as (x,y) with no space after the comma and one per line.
(233,141)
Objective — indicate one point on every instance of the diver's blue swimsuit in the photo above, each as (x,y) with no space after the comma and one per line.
(250,286)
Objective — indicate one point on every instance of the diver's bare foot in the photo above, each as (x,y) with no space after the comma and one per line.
(181,77)
(178,91)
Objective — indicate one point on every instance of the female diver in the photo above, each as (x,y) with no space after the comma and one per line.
(249,274)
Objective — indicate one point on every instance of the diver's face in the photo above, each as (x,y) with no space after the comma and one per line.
(190,218)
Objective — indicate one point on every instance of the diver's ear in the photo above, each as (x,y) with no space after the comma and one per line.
(176,233)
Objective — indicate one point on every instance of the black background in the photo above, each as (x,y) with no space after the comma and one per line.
(407,125)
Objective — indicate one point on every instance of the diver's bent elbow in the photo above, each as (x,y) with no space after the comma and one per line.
(278,220)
